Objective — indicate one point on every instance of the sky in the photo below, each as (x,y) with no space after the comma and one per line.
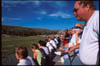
(54,15)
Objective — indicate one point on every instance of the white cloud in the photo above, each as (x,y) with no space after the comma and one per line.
(61,14)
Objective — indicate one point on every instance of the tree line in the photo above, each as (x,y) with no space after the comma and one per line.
(24,31)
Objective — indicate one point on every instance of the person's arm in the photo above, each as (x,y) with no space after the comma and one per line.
(35,55)
(68,46)
(77,42)
(74,47)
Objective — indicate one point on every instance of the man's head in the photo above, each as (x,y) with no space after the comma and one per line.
(41,43)
(51,38)
(82,9)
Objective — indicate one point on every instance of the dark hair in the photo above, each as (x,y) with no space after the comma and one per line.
(42,43)
(22,51)
(35,46)
(46,40)
(87,2)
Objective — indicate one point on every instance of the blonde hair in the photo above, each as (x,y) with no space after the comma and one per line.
(80,25)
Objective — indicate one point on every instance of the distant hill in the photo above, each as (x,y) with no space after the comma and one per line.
(25,31)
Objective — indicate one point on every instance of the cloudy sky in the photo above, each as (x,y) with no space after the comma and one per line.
(40,14)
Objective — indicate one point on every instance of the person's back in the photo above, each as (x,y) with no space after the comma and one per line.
(46,50)
(21,55)
(49,46)
(24,62)
(53,43)
(45,57)
(39,56)
(31,59)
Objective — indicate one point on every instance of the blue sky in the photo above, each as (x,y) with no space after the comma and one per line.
(40,14)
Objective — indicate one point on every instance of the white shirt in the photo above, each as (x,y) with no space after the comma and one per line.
(24,62)
(89,44)
(53,43)
(49,46)
(56,41)
(73,40)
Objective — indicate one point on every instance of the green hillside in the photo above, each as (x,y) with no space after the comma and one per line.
(10,42)
(24,31)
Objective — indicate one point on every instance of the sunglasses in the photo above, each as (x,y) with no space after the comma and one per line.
(76,9)
(77,27)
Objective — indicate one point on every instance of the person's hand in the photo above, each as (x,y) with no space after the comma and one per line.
(71,49)
(60,49)
(66,51)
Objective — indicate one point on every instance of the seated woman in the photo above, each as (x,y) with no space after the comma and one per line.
(21,55)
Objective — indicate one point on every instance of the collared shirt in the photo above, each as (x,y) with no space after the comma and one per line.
(89,44)
(24,62)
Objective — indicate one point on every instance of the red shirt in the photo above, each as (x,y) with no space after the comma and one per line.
(65,42)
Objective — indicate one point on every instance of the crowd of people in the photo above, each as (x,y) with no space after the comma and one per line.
(45,51)
(87,47)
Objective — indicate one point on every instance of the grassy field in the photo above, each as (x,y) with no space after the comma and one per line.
(9,43)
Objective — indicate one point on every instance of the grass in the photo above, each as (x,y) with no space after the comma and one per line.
(9,43)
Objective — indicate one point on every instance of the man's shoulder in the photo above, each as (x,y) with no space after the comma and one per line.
(97,12)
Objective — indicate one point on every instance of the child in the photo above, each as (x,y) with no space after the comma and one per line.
(21,55)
